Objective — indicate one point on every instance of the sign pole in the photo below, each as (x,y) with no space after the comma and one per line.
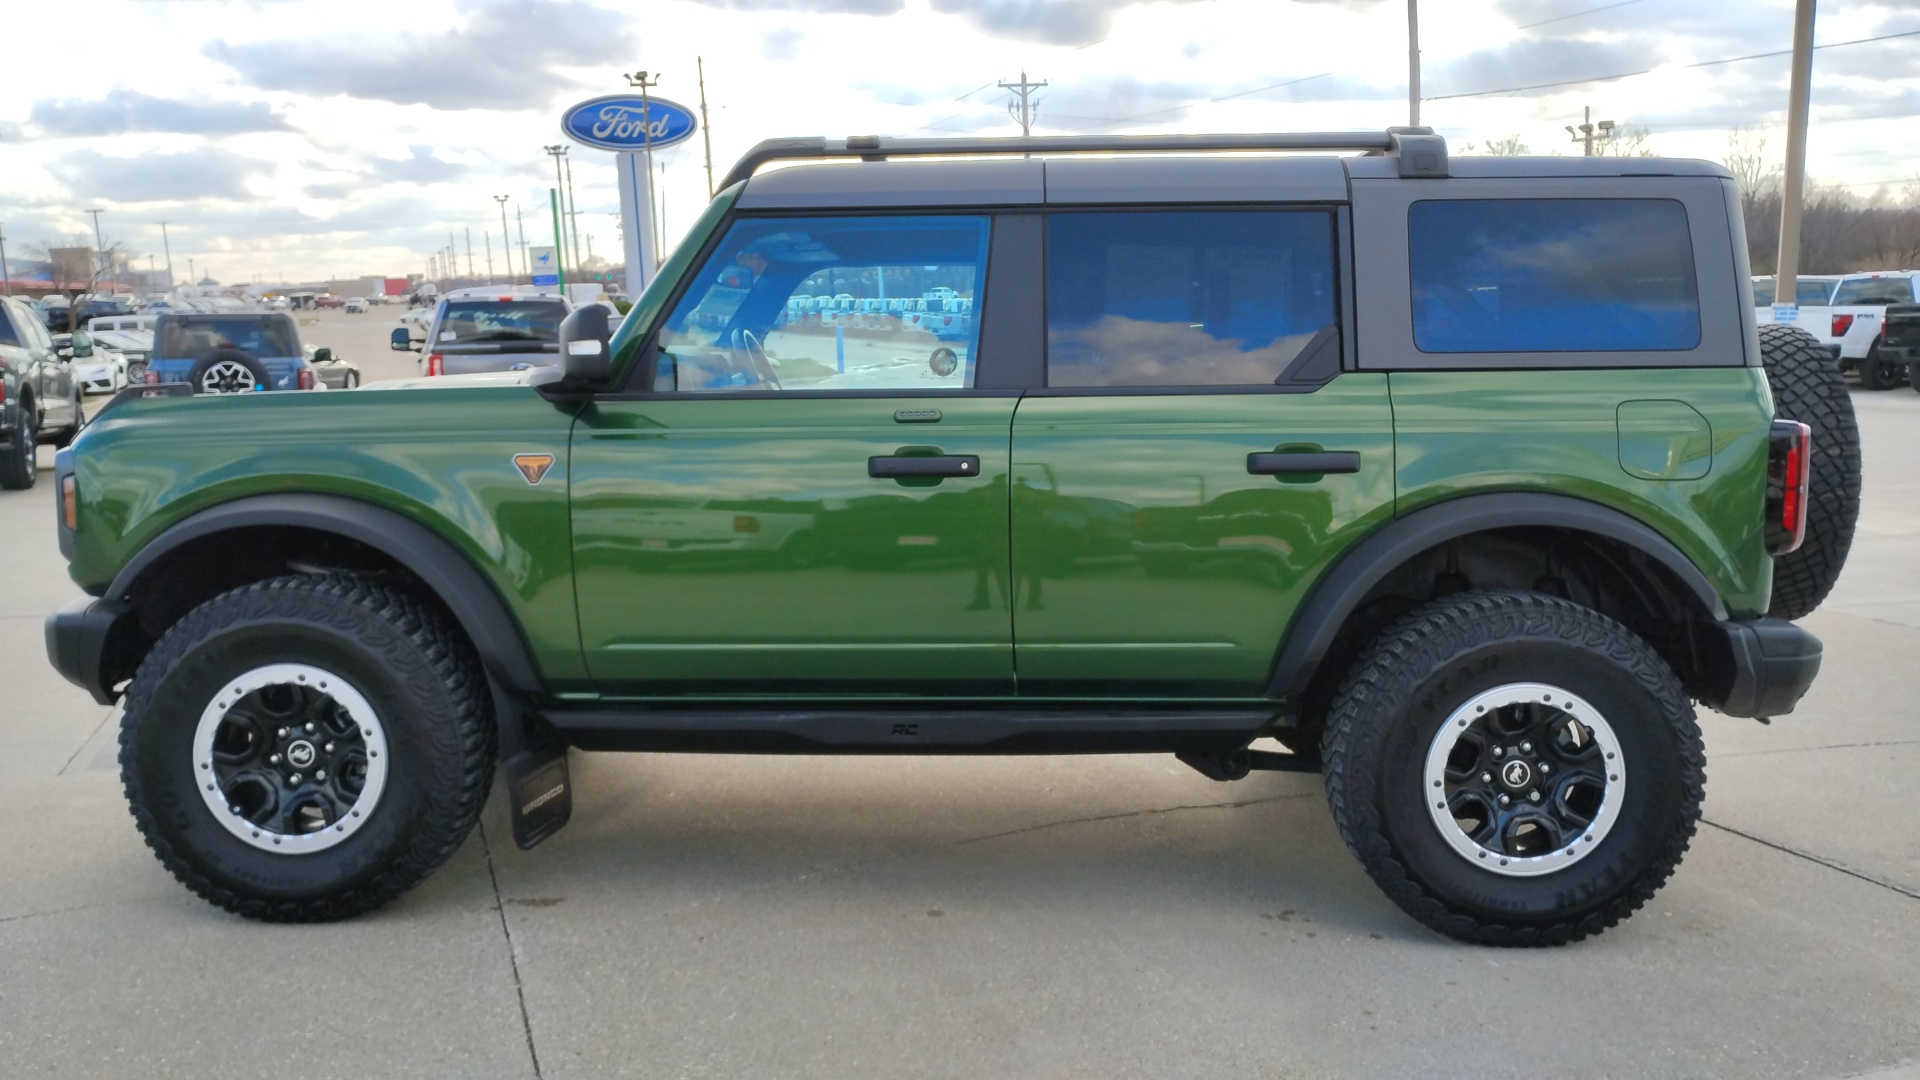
(636,195)
(559,264)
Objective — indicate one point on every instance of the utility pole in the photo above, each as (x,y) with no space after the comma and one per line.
(525,262)
(706,137)
(98,267)
(453,257)
(489,242)
(506,238)
(6,275)
(191,272)
(469,230)
(559,242)
(1413,62)
(167,245)
(1025,110)
(639,79)
(1799,92)
(1589,131)
(573,215)
(559,185)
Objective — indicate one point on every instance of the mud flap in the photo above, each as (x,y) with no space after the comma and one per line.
(542,792)
(534,758)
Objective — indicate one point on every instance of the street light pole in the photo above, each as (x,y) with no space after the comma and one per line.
(526,263)
(6,275)
(506,238)
(167,245)
(573,215)
(97,245)
(1799,93)
(641,80)
(469,230)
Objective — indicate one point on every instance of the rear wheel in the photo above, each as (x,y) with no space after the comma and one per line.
(306,748)
(1807,387)
(1514,769)
(1879,374)
(18,467)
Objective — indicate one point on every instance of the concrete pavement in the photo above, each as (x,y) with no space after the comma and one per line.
(1059,917)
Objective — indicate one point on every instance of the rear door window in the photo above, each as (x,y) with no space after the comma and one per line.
(1552,275)
(1185,298)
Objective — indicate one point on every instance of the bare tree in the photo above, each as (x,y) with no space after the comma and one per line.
(1627,140)
(1755,174)
(102,263)
(1508,146)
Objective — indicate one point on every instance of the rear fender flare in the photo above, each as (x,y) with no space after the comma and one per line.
(1340,592)
(467,594)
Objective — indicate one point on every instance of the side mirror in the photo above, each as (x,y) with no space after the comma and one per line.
(586,347)
(323,355)
(402,341)
(82,345)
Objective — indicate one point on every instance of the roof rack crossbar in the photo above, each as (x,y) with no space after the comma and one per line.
(1421,152)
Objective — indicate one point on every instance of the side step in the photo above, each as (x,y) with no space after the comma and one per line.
(1236,764)
(855,729)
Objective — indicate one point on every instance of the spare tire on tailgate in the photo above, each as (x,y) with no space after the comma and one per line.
(228,371)
(1807,387)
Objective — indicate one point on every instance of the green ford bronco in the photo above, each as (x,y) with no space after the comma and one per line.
(1461,480)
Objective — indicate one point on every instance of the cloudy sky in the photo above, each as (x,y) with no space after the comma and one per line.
(299,139)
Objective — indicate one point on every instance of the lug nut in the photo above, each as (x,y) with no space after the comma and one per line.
(283,733)
(1534,795)
(1486,778)
(309,729)
(273,759)
(1526,746)
(1504,800)
(1545,768)
(294,779)
(1499,751)
(329,748)
(320,775)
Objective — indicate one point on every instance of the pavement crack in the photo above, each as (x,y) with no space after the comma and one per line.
(86,742)
(513,957)
(1149,812)
(1830,864)
(1833,746)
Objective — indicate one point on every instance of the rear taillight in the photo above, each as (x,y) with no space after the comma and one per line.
(306,378)
(3,391)
(433,363)
(1842,324)
(1789,469)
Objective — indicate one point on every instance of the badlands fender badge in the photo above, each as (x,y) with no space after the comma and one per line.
(533,466)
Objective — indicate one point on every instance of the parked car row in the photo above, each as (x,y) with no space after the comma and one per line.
(1847,314)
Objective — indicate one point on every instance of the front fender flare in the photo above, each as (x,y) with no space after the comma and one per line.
(1340,592)
(475,604)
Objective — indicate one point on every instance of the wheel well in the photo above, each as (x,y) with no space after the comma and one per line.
(1606,574)
(206,566)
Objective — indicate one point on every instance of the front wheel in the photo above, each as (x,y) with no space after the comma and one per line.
(18,465)
(1514,769)
(306,748)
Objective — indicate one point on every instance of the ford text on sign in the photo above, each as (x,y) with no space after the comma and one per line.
(622,122)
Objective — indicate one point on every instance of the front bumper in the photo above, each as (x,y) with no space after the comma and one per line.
(94,644)
(1758,667)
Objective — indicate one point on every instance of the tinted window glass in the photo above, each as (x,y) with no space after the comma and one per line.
(501,320)
(1868,291)
(7,314)
(1813,293)
(189,338)
(1552,275)
(1188,298)
(831,304)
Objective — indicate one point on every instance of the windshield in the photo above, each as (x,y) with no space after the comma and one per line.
(1867,291)
(501,320)
(189,338)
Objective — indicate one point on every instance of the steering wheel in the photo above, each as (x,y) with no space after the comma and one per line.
(757,355)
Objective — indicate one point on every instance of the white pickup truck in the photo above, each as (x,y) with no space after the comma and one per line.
(1857,317)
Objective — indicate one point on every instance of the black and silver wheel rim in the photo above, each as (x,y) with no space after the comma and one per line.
(228,377)
(351,381)
(1524,779)
(290,758)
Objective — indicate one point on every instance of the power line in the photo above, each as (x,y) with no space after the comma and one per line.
(1575,15)
(1644,71)
(1204,101)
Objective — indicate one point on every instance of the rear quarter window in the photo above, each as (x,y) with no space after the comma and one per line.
(1552,275)
(1867,292)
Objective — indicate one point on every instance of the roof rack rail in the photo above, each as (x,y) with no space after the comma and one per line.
(1421,153)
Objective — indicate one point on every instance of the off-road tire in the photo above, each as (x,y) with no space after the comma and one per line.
(18,468)
(1407,683)
(1807,387)
(419,676)
(234,356)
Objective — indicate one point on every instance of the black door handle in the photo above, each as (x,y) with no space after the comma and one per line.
(1327,461)
(893,468)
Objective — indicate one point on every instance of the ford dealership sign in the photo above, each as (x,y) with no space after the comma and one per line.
(621,122)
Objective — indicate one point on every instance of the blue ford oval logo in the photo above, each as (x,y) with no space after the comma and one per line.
(620,122)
